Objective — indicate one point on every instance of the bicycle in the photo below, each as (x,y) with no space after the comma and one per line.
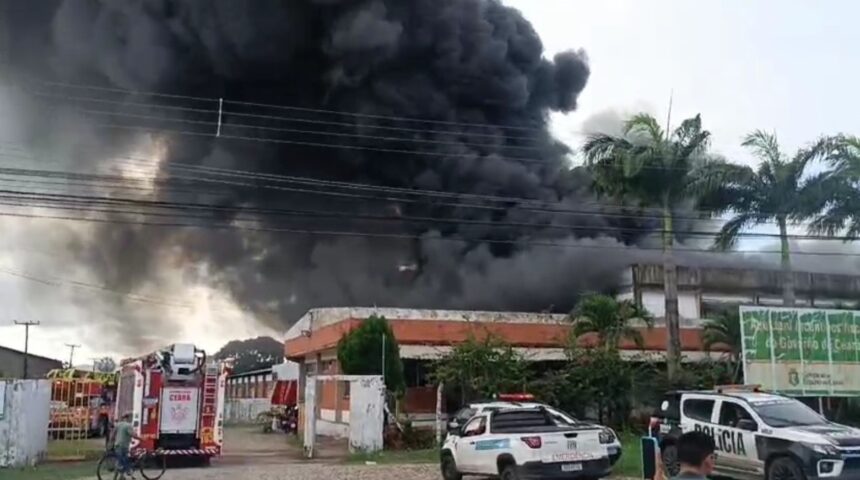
(150,465)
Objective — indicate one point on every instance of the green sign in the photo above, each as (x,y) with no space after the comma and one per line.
(802,351)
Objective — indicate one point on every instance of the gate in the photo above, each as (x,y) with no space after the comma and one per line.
(79,420)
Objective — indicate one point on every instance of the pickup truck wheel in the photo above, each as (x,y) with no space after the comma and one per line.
(784,468)
(669,456)
(449,469)
(510,473)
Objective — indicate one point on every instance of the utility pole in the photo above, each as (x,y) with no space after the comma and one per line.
(72,348)
(26,343)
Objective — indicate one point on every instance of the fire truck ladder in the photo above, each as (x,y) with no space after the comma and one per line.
(210,392)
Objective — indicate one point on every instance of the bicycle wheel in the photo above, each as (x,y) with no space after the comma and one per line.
(106,469)
(152,466)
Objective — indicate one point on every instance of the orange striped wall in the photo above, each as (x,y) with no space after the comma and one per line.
(441,332)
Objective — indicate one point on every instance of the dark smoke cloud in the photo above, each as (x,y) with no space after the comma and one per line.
(469,61)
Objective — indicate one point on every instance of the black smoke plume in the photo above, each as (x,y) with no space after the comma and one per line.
(474,68)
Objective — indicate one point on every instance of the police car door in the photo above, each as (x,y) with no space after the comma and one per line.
(467,455)
(735,437)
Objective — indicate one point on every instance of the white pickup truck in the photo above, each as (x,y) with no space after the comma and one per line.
(525,443)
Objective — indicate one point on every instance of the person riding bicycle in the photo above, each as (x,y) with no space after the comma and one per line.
(121,438)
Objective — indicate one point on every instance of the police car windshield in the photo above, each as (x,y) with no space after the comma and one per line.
(787,414)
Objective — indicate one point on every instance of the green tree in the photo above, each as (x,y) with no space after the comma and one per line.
(780,191)
(659,170)
(610,319)
(360,352)
(481,368)
(252,354)
(842,213)
(725,330)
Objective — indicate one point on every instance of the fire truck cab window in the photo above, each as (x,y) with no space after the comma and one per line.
(699,409)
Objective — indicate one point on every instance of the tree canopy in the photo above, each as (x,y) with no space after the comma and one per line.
(661,171)
(252,354)
(360,352)
(609,319)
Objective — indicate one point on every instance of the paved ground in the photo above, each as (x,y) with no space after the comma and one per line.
(304,471)
(248,445)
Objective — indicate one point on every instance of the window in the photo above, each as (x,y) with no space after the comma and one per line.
(786,413)
(476,427)
(464,415)
(731,413)
(698,409)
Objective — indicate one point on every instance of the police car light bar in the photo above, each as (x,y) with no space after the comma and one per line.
(738,388)
(515,397)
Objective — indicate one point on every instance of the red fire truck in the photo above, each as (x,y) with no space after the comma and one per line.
(82,403)
(176,400)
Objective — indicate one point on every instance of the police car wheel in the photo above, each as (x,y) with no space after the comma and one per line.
(669,456)
(449,468)
(510,473)
(785,469)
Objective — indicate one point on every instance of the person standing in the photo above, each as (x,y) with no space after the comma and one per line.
(121,437)
(696,454)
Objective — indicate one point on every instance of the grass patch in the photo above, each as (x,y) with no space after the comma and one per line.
(52,471)
(387,457)
(630,463)
(85,449)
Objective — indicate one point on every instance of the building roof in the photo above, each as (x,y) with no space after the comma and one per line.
(321,329)
(753,280)
(20,352)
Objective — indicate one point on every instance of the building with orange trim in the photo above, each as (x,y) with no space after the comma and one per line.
(425,335)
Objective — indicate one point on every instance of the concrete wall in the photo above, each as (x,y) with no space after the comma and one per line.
(12,364)
(364,423)
(24,422)
(245,410)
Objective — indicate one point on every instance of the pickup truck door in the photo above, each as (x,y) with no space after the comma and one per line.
(466,447)
(735,437)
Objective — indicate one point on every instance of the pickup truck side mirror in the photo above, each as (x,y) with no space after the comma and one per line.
(454,427)
(747,424)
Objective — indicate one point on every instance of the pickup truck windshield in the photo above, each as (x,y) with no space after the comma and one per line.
(787,414)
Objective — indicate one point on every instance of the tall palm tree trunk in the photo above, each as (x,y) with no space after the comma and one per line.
(670,290)
(787,274)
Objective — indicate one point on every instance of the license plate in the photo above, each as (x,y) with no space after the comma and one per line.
(571,467)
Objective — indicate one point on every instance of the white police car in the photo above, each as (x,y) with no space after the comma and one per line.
(516,441)
(759,434)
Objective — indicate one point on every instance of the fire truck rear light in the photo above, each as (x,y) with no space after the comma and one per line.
(532,442)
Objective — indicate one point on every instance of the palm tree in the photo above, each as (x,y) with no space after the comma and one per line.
(779,191)
(725,330)
(842,213)
(610,319)
(660,170)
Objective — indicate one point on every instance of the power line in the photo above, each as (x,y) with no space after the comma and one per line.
(341,233)
(220,134)
(64,200)
(309,121)
(58,282)
(289,107)
(522,203)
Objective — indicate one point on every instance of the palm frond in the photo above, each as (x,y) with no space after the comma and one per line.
(764,145)
(728,235)
(643,123)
